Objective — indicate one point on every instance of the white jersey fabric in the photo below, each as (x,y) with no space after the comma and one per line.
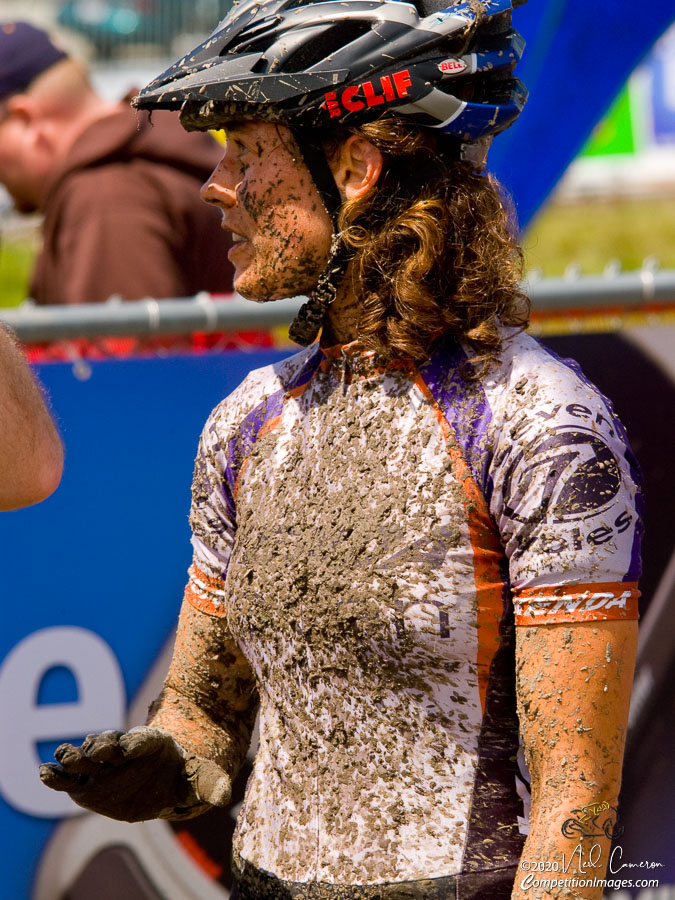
(371,535)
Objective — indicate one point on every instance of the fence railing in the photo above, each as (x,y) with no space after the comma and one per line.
(644,290)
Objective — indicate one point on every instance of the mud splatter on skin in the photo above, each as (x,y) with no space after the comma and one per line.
(266,195)
(209,701)
(574,746)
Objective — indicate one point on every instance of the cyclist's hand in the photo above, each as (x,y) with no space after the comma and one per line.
(137,775)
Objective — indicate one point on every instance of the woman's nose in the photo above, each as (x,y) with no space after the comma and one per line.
(217,191)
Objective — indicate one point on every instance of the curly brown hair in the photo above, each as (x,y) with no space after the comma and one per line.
(434,248)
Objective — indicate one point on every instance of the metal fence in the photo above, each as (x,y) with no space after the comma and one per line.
(572,303)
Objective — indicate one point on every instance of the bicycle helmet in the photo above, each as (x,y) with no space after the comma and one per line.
(314,65)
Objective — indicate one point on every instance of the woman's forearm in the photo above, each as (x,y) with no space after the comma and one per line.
(209,702)
(573,687)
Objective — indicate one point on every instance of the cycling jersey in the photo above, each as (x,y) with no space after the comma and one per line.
(371,533)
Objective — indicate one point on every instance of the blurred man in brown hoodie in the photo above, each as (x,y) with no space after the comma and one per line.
(122,214)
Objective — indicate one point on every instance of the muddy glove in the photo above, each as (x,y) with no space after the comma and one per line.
(137,775)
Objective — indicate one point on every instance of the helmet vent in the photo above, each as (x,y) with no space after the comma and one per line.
(256,39)
(319,49)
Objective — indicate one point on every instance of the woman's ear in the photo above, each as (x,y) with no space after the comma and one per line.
(356,167)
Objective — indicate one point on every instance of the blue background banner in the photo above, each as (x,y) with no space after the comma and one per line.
(93,576)
(578,56)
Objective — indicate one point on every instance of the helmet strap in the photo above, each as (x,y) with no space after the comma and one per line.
(476,152)
(314,157)
(306,325)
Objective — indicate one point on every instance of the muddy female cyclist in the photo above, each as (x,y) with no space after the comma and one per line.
(416,540)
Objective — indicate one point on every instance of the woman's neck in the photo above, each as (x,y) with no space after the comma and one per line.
(344,314)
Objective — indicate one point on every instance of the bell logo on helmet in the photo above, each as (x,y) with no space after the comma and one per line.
(360,96)
(452,65)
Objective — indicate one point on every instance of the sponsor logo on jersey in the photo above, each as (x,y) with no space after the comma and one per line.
(369,93)
(571,603)
(452,65)
(570,475)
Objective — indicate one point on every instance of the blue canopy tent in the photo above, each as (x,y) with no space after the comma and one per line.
(577,58)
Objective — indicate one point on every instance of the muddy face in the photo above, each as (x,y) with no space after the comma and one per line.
(269,202)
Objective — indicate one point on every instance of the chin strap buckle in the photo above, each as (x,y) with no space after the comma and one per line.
(306,325)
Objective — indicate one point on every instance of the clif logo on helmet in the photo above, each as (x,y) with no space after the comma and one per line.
(360,96)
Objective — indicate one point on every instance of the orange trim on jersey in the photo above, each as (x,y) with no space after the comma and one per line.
(336,356)
(487,552)
(576,603)
(199,592)
(296,392)
(268,426)
(401,365)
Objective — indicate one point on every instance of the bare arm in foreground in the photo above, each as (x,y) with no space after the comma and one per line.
(573,684)
(31,455)
(185,760)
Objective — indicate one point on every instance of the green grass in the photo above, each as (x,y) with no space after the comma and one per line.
(16,263)
(593,232)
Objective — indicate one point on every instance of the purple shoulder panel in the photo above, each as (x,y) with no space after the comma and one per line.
(464,405)
(240,446)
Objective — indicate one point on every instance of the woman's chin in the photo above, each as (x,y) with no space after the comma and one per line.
(246,286)
(254,289)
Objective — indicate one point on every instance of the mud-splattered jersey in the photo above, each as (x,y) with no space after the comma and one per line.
(370,535)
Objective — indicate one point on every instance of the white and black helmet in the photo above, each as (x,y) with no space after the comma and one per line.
(338,61)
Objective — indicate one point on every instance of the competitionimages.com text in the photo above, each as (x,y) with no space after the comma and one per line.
(549,874)
(531,881)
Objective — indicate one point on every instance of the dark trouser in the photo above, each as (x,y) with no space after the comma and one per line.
(254,884)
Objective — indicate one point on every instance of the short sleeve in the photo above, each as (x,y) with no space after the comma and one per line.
(213,520)
(225,444)
(566,498)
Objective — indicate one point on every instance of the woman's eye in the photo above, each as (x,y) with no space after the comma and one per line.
(238,154)
(234,146)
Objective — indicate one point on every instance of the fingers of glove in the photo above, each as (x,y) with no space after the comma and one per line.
(210,783)
(74,761)
(54,777)
(104,747)
(144,741)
